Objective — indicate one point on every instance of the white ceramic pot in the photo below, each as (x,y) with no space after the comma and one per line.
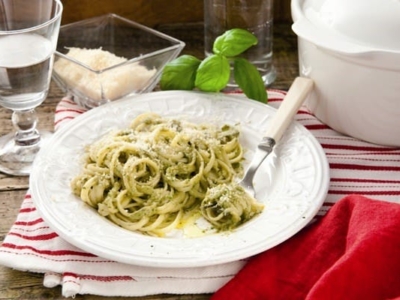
(351,49)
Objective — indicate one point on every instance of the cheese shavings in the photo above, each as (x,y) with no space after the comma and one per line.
(97,84)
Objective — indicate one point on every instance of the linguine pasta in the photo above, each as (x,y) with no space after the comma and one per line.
(153,175)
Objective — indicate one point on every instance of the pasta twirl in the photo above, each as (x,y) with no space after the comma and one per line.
(150,176)
(227,206)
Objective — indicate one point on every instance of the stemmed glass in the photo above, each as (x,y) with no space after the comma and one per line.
(28,38)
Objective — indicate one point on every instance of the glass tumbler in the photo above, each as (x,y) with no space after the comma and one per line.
(255,16)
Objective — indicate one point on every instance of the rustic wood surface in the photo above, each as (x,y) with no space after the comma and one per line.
(24,285)
(152,12)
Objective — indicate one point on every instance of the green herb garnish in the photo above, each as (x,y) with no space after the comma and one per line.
(212,74)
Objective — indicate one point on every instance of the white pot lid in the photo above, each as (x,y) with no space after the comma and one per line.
(370,23)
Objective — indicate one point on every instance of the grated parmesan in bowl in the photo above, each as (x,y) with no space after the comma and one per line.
(106,58)
(100,80)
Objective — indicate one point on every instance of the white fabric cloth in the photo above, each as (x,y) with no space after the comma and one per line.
(356,168)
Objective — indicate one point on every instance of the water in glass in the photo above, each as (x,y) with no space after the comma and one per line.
(28,38)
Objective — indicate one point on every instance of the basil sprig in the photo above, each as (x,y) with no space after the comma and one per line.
(212,74)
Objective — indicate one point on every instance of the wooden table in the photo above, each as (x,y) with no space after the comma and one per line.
(24,285)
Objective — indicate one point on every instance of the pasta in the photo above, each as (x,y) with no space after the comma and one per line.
(227,206)
(154,174)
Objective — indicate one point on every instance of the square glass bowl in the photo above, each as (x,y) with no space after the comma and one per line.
(137,55)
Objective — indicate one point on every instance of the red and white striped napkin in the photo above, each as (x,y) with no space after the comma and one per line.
(356,167)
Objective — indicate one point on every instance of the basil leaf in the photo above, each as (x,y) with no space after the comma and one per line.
(180,74)
(234,42)
(213,74)
(249,80)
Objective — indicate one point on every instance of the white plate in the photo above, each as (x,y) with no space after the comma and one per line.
(292,182)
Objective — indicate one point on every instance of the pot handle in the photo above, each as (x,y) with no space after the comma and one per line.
(340,45)
(335,42)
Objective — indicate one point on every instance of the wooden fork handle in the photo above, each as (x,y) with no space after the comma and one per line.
(289,107)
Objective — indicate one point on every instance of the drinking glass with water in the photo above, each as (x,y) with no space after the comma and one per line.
(28,38)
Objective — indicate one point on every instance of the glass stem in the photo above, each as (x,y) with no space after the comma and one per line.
(25,122)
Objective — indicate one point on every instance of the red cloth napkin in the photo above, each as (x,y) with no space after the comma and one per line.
(351,253)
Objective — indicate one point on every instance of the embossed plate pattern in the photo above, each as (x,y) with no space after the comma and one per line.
(292,182)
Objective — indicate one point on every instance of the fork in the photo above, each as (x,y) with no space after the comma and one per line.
(281,120)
